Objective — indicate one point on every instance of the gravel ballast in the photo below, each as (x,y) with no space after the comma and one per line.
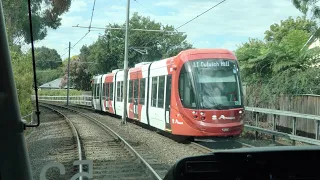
(52,141)
(111,159)
(157,149)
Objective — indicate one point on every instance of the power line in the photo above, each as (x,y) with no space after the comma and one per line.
(94,3)
(80,39)
(64,53)
(202,13)
(105,28)
(151,12)
(160,24)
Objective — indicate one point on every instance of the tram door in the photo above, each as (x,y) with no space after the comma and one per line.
(168,101)
(135,98)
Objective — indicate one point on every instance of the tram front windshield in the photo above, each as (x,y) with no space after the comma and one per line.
(210,84)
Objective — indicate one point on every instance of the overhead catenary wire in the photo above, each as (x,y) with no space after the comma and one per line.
(194,17)
(89,29)
(94,3)
(176,30)
(201,14)
(108,28)
(151,13)
(80,39)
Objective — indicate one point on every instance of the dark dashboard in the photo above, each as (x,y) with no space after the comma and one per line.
(267,163)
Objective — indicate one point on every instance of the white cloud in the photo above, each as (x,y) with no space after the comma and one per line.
(231,45)
(247,18)
(241,18)
(78,6)
(166,3)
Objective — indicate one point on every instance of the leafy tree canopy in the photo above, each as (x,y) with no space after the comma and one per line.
(79,75)
(45,14)
(23,76)
(280,64)
(107,53)
(47,58)
(306,6)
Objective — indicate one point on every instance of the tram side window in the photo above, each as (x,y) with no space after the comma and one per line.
(107,91)
(98,91)
(94,91)
(118,91)
(121,91)
(154,92)
(186,91)
(104,90)
(111,91)
(168,91)
(93,88)
(142,90)
(130,91)
(135,91)
(161,91)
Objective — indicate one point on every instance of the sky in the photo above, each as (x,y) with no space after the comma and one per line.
(225,26)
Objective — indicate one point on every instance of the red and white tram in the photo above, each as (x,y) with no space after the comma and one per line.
(196,93)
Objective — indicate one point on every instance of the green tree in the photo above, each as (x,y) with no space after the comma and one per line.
(22,71)
(44,76)
(65,61)
(306,6)
(108,51)
(280,64)
(279,31)
(47,58)
(79,75)
(45,14)
(253,62)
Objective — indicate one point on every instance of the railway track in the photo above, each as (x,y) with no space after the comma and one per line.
(112,156)
(205,147)
(76,137)
(55,141)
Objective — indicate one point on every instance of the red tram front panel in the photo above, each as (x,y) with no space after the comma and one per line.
(196,78)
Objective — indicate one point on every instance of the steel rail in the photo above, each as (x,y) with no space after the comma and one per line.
(75,132)
(152,172)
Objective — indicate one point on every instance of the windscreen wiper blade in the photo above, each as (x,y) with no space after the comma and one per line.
(220,107)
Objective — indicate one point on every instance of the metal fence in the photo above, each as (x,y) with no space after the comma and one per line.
(86,100)
(80,100)
(293,116)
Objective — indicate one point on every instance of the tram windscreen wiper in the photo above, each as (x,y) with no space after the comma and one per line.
(220,107)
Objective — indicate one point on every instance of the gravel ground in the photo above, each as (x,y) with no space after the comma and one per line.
(159,151)
(110,159)
(52,141)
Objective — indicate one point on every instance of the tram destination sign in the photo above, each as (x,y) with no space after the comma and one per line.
(211,63)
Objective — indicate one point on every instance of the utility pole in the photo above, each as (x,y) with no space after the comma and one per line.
(125,67)
(68,75)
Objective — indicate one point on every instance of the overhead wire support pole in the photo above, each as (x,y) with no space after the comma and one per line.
(125,66)
(68,75)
